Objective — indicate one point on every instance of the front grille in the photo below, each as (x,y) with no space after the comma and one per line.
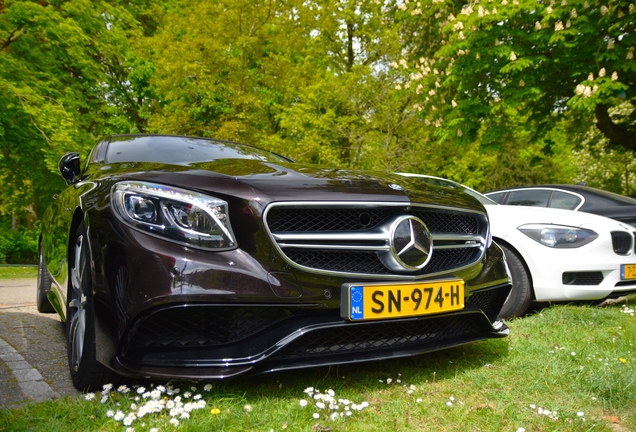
(582,278)
(621,242)
(353,239)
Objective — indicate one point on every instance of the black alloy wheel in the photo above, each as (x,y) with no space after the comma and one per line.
(86,372)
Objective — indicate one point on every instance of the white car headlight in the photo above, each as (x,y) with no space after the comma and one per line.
(176,214)
(558,236)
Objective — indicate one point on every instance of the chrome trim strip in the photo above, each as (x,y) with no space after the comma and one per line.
(366,236)
(336,247)
(456,237)
(369,248)
(459,246)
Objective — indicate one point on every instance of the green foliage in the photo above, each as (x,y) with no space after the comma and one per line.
(223,80)
(18,247)
(63,83)
(506,74)
(306,79)
(606,168)
(490,94)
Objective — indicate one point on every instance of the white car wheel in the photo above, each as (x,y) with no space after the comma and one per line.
(520,298)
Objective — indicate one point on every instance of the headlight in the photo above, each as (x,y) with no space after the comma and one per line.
(178,215)
(557,236)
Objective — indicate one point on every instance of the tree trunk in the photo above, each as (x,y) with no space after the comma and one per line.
(32,215)
(617,135)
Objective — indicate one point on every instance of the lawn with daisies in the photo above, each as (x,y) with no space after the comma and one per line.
(564,368)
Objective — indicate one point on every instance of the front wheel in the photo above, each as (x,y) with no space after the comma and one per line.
(520,297)
(86,372)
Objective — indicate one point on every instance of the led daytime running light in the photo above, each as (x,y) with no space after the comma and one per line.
(176,214)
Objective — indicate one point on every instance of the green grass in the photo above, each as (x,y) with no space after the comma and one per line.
(11,272)
(578,361)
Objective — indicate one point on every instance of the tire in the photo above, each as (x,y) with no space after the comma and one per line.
(44,286)
(520,297)
(86,372)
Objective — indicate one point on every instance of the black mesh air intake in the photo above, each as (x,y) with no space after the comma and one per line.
(622,242)
(286,219)
(582,278)
(367,262)
(357,338)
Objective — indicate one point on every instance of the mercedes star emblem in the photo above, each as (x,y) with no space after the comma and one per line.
(411,245)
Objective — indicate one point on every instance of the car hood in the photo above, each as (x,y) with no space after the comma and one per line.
(505,218)
(268,182)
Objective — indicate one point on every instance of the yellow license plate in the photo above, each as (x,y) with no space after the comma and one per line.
(628,271)
(382,301)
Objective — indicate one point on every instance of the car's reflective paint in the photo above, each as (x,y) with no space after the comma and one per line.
(143,287)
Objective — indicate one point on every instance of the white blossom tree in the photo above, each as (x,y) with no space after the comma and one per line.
(530,61)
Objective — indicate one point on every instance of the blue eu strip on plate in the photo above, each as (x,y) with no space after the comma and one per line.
(356,303)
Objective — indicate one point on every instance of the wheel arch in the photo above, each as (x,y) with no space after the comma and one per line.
(501,241)
(78,218)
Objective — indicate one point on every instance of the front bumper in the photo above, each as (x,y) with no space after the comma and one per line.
(208,341)
(591,272)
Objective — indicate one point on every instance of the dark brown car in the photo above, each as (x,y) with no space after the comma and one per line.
(179,257)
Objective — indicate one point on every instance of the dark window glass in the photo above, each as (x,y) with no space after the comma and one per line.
(181,150)
(563,200)
(534,198)
(496,196)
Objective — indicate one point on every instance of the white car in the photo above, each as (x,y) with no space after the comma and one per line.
(558,255)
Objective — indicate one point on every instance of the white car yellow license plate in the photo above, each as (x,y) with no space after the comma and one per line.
(385,301)
(628,271)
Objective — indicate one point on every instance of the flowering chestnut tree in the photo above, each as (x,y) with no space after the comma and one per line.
(523,63)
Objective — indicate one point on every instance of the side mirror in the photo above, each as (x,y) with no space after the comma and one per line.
(69,166)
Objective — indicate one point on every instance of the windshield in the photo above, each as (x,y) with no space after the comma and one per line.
(437,181)
(482,199)
(181,150)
